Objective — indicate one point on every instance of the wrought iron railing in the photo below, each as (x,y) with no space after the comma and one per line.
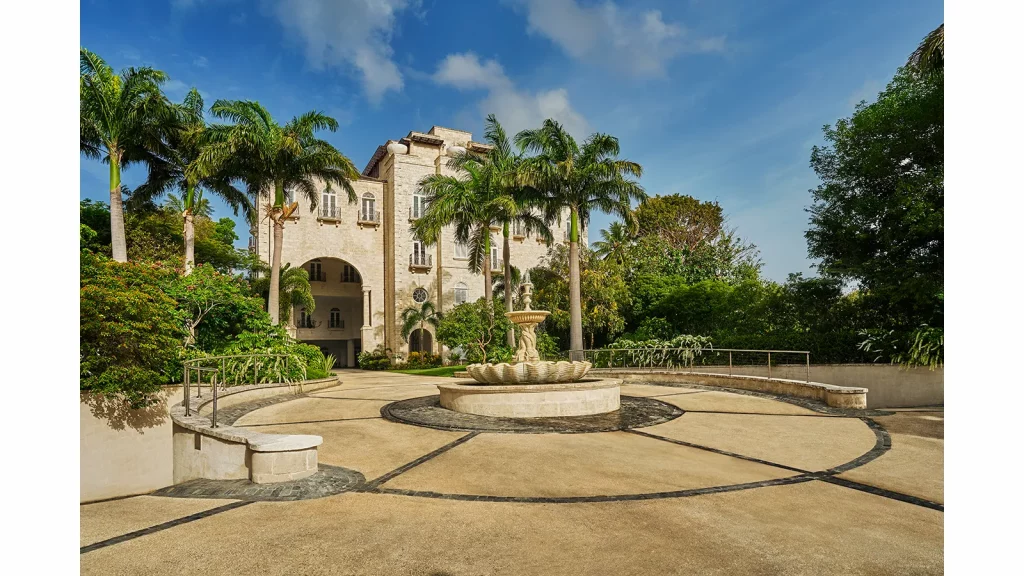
(773,364)
(368,217)
(317,276)
(420,260)
(328,213)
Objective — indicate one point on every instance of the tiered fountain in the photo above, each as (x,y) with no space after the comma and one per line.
(531,387)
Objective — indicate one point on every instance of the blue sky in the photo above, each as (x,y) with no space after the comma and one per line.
(721,100)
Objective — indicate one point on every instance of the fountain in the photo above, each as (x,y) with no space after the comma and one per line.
(531,387)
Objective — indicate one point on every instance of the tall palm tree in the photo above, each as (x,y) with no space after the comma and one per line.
(273,158)
(580,179)
(294,289)
(613,242)
(507,285)
(413,317)
(930,53)
(120,122)
(176,168)
(200,206)
(510,179)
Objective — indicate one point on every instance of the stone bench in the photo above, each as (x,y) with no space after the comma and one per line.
(232,453)
(831,395)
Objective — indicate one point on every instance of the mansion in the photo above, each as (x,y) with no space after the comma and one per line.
(365,267)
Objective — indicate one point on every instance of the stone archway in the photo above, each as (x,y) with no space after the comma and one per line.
(336,324)
(421,340)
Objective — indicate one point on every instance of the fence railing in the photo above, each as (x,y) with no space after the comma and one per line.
(420,260)
(732,362)
(235,370)
(328,213)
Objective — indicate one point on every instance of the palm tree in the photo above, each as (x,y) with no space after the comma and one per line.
(511,181)
(177,168)
(413,317)
(200,206)
(294,289)
(273,158)
(613,242)
(508,289)
(580,179)
(930,54)
(120,121)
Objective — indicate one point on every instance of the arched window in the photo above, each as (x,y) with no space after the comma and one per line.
(328,203)
(419,205)
(349,274)
(461,293)
(368,208)
(305,319)
(336,321)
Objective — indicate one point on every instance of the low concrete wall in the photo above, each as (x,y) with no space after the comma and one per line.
(888,386)
(124,452)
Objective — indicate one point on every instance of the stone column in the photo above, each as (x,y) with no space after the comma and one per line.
(350,354)
(366,331)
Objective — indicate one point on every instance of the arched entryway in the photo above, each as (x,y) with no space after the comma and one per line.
(421,340)
(334,325)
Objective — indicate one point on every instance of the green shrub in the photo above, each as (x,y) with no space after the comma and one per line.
(378,359)
(422,360)
(129,330)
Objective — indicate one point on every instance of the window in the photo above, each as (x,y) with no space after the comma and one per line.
(419,205)
(305,320)
(461,251)
(461,293)
(328,203)
(336,321)
(419,254)
(495,259)
(419,295)
(316,271)
(368,211)
(289,196)
(517,228)
(349,274)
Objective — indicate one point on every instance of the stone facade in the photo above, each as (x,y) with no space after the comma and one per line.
(365,264)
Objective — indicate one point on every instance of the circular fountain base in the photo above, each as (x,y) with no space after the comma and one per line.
(581,398)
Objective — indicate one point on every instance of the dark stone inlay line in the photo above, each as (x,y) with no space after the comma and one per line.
(161,527)
(676,394)
(727,413)
(603,498)
(883,492)
(883,442)
(373,484)
(717,451)
(311,421)
(327,481)
(635,412)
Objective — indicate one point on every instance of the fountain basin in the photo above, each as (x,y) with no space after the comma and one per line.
(537,372)
(533,400)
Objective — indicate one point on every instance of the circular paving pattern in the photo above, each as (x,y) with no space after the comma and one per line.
(635,412)
(328,480)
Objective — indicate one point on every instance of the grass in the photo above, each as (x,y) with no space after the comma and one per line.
(439,371)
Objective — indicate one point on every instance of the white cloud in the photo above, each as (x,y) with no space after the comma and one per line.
(348,34)
(516,109)
(637,42)
(201,62)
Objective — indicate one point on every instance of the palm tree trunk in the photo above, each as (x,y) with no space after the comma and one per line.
(510,336)
(189,230)
(488,291)
(575,312)
(273,299)
(118,244)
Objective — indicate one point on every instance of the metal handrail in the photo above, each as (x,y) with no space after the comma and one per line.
(680,358)
(369,217)
(420,260)
(329,212)
(218,378)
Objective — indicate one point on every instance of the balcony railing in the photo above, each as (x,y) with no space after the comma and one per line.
(419,260)
(329,213)
(317,277)
(307,322)
(369,218)
(337,324)
(497,266)
(253,244)
(416,213)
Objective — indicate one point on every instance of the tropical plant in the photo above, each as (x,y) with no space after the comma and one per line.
(512,283)
(580,179)
(377,359)
(271,159)
(471,327)
(293,287)
(121,120)
(922,347)
(175,167)
(413,317)
(613,243)
(930,53)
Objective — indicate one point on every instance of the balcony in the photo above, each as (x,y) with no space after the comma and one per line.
(253,244)
(328,214)
(317,277)
(307,323)
(497,266)
(367,218)
(336,324)
(420,261)
(416,213)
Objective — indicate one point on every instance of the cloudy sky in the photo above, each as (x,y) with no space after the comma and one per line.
(721,100)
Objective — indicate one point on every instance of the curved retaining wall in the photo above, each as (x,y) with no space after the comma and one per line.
(230,453)
(831,395)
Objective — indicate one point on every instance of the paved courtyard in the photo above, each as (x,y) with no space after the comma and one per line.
(689,481)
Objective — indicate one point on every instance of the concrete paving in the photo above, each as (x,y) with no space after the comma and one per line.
(720,490)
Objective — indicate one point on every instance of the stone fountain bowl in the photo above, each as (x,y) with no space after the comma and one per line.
(527,316)
(541,372)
